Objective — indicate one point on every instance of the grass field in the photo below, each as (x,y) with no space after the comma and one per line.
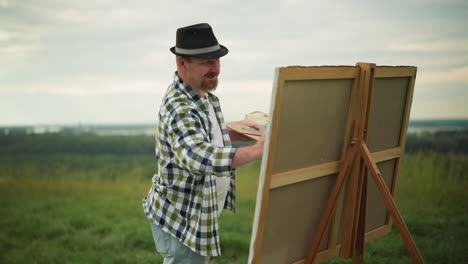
(76,208)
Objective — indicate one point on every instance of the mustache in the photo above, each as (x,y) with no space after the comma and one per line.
(211,74)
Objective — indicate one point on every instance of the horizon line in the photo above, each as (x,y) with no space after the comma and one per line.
(78,124)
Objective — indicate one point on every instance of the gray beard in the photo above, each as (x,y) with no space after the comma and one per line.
(209,86)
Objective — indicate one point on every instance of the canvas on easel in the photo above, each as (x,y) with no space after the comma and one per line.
(388,121)
(309,135)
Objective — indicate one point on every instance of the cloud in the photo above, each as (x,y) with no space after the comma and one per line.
(4,36)
(17,49)
(114,18)
(241,97)
(453,45)
(454,75)
(85,49)
(247,88)
(96,86)
(88,86)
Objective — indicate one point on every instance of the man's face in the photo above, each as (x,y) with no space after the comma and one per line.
(202,74)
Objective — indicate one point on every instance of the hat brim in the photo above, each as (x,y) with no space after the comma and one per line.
(211,55)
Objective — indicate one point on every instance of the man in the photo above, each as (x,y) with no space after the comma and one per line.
(196,161)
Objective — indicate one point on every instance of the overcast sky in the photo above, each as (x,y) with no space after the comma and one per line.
(88,61)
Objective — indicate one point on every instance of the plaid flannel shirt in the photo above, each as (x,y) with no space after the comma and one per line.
(182,199)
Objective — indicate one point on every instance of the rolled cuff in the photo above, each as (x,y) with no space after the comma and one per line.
(222,161)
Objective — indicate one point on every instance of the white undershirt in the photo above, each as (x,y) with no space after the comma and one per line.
(222,183)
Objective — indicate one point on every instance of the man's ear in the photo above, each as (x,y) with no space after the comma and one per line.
(180,61)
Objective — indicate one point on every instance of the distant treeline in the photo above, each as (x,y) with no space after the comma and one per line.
(88,143)
(440,142)
(446,123)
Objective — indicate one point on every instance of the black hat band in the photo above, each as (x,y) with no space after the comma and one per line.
(197,51)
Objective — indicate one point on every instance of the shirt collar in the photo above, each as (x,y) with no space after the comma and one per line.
(180,85)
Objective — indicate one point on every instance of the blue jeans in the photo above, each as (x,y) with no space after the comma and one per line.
(173,251)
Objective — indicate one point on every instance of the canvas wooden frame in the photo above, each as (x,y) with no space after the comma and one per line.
(277,173)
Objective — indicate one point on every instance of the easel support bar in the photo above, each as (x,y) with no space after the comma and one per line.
(348,161)
(391,206)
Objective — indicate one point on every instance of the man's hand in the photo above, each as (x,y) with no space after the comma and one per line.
(247,154)
(258,146)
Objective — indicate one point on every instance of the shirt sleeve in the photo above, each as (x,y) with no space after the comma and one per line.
(192,149)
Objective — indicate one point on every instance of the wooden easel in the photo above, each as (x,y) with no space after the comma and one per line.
(356,163)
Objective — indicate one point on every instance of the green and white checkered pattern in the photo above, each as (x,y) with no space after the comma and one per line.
(182,199)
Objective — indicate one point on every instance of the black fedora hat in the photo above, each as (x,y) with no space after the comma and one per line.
(198,41)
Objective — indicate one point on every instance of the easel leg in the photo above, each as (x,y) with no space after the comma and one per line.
(348,160)
(358,251)
(391,206)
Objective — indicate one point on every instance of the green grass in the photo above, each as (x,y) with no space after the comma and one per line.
(77,208)
(433,201)
(73,221)
(87,209)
